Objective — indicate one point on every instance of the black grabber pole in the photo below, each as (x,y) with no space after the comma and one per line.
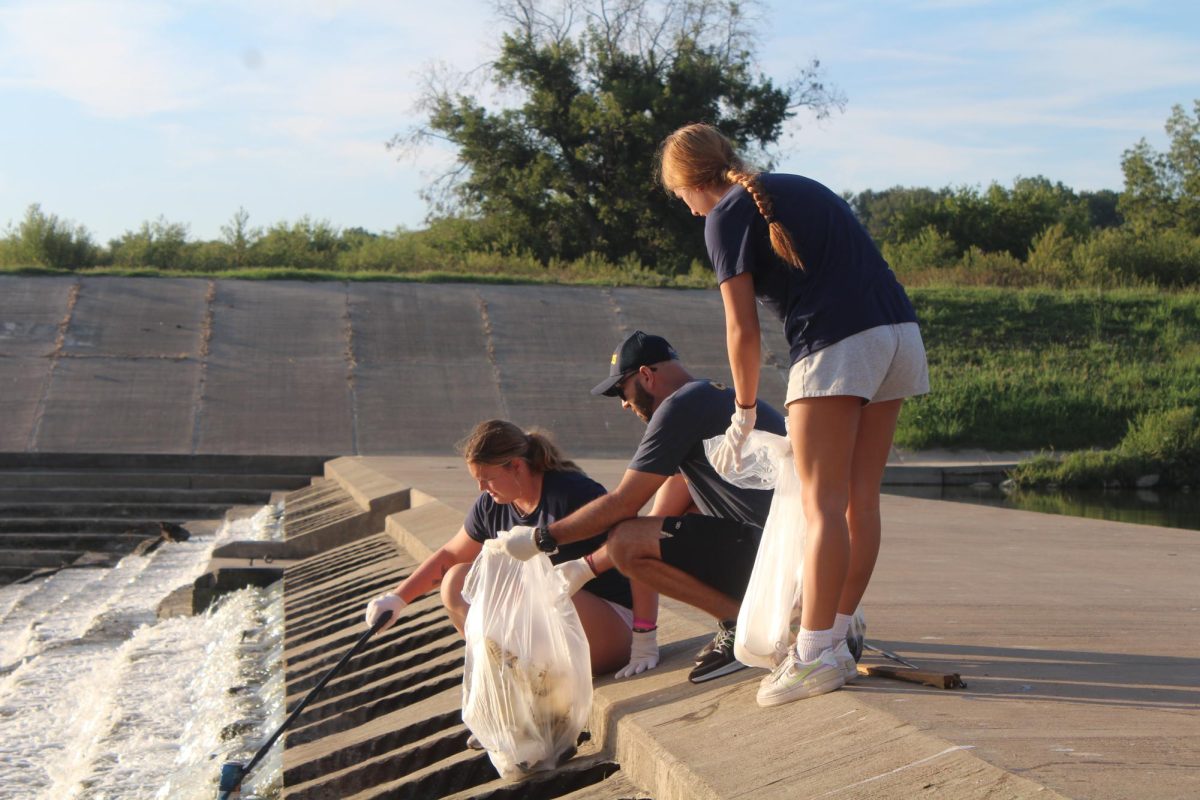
(233,773)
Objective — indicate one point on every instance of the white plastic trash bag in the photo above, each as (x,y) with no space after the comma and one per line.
(527,681)
(769,617)
(770,613)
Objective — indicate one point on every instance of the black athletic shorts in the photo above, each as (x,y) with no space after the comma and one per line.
(715,551)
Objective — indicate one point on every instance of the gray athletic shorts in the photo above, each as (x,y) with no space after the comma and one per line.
(879,364)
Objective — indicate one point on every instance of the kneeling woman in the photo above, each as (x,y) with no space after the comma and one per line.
(526,480)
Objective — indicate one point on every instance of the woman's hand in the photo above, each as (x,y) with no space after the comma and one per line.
(577,573)
(385,602)
(728,456)
(643,654)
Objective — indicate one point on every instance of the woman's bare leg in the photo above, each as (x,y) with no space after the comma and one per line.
(608,636)
(876,428)
(823,432)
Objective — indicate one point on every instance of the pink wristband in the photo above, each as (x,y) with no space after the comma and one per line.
(644,624)
(591,564)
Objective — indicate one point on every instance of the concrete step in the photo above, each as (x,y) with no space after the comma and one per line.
(13,574)
(57,494)
(38,558)
(97,542)
(83,525)
(165,462)
(89,479)
(166,511)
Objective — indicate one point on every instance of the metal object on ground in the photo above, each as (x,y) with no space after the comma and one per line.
(913,673)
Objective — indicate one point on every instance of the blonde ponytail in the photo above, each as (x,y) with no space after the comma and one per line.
(699,155)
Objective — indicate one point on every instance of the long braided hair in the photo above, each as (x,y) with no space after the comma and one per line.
(699,155)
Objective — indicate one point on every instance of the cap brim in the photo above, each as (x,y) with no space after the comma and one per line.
(607,387)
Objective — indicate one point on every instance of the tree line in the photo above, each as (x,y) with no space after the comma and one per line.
(560,182)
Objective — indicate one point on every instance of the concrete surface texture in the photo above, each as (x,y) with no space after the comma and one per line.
(1076,639)
(280,367)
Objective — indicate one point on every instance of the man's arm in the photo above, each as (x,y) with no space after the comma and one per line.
(605,511)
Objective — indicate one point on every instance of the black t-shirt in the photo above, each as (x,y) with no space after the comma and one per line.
(562,493)
(845,287)
(674,442)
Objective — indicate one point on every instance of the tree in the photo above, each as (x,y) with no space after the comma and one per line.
(570,170)
(159,244)
(1162,190)
(240,237)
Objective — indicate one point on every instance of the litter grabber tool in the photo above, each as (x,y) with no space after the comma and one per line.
(913,673)
(234,772)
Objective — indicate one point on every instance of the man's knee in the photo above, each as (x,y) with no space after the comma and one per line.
(634,539)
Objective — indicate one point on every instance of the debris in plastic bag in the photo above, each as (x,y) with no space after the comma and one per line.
(527,683)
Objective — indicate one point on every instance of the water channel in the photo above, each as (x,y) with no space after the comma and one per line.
(100,699)
(1173,509)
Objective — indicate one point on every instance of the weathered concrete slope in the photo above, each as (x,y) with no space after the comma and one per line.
(282,367)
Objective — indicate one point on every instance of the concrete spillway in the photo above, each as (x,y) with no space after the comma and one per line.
(217,366)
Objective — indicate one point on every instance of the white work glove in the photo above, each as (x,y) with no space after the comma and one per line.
(643,654)
(519,543)
(576,573)
(728,456)
(385,602)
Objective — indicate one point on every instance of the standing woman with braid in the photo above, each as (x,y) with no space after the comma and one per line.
(856,353)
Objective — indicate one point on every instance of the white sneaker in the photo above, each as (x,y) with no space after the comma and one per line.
(845,660)
(794,679)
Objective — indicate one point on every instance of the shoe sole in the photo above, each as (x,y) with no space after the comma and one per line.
(803,691)
(732,666)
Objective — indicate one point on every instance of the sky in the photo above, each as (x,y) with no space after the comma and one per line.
(117,112)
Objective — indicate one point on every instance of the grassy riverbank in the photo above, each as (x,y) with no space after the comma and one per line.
(1054,370)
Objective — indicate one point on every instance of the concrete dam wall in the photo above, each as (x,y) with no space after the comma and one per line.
(200,366)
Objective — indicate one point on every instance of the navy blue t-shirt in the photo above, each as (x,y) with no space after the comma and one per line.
(562,493)
(674,442)
(845,287)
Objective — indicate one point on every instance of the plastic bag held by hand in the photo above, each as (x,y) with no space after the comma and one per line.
(762,454)
(527,680)
(771,605)
(519,542)
(728,455)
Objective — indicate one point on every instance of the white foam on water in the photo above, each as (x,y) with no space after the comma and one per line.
(99,699)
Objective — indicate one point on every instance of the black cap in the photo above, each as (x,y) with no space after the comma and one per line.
(638,350)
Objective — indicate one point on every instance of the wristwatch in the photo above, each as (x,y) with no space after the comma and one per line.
(544,541)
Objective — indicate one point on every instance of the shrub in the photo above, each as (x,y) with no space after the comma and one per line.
(45,240)
(1123,257)
(1162,443)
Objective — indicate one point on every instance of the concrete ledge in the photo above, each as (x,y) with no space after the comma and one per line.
(353,502)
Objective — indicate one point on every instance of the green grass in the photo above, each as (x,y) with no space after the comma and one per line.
(1054,370)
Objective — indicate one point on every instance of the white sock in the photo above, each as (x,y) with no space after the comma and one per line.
(841,626)
(810,644)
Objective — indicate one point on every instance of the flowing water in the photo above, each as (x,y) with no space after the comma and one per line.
(99,699)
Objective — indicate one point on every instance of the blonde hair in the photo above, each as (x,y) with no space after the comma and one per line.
(699,155)
(496,442)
